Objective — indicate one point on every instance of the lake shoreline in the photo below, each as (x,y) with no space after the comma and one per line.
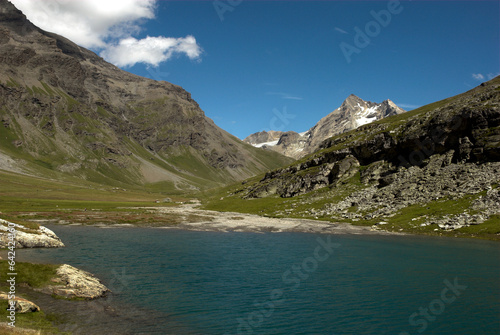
(190,217)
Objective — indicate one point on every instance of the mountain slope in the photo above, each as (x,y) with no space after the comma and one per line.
(353,112)
(65,111)
(431,170)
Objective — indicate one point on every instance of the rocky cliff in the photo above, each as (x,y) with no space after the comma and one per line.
(64,110)
(354,112)
(444,156)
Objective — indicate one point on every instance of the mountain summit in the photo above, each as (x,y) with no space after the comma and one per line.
(66,111)
(354,112)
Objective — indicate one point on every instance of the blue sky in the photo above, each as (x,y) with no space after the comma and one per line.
(279,64)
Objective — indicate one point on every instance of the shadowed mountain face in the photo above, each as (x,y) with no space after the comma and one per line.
(353,112)
(64,109)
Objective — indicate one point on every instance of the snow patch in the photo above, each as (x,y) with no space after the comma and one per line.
(260,145)
(362,117)
(364,120)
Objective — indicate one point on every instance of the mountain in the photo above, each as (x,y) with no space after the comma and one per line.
(432,170)
(262,138)
(64,111)
(353,112)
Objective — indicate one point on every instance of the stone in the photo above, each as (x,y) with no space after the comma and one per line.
(29,238)
(76,283)
(21,305)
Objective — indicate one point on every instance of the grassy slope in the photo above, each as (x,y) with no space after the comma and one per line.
(24,198)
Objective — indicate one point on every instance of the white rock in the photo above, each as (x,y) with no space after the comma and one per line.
(39,238)
(73,282)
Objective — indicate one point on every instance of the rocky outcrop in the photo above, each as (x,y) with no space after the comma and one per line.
(75,283)
(28,238)
(353,113)
(305,177)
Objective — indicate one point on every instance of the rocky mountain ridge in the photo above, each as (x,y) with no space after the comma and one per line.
(354,112)
(66,111)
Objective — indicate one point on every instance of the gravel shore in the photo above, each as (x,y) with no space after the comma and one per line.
(239,222)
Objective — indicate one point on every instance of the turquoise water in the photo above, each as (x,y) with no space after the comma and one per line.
(185,282)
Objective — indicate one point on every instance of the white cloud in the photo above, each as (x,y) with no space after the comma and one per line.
(88,22)
(107,26)
(478,76)
(150,50)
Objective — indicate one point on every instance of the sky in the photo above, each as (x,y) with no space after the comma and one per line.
(283,65)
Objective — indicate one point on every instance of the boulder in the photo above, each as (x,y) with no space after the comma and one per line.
(22,306)
(76,283)
(29,238)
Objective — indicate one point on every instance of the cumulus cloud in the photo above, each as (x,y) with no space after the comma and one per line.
(478,76)
(150,50)
(108,26)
